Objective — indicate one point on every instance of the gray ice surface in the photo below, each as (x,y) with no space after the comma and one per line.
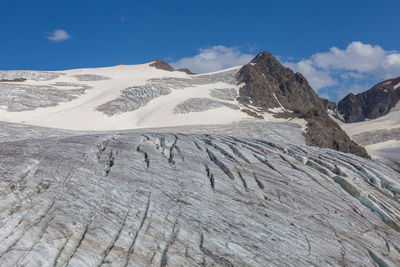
(90,77)
(21,97)
(166,199)
(228,94)
(28,75)
(201,104)
(134,97)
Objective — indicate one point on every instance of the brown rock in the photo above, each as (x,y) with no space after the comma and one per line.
(268,84)
(186,70)
(265,78)
(162,65)
(322,131)
(15,80)
(371,104)
(252,113)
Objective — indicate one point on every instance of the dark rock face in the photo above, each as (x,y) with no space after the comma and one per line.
(14,80)
(328,104)
(268,84)
(186,70)
(322,131)
(265,77)
(371,104)
(162,65)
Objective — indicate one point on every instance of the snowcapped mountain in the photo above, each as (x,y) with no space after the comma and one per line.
(371,104)
(119,97)
(373,120)
(147,165)
(155,95)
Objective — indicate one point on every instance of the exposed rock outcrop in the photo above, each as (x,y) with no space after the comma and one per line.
(371,104)
(266,84)
(186,70)
(322,131)
(162,65)
(329,105)
(13,80)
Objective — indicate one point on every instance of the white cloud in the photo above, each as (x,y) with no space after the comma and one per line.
(341,67)
(317,78)
(58,36)
(216,58)
(363,58)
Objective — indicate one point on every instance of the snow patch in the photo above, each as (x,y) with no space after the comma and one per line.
(153,110)
(279,102)
(241,85)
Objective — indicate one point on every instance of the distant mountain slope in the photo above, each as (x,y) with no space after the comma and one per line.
(168,199)
(371,104)
(372,119)
(120,97)
(267,84)
(155,95)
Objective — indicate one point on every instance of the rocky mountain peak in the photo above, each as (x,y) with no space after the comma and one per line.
(266,83)
(371,104)
(162,65)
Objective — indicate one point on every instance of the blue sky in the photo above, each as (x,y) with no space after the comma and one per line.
(56,35)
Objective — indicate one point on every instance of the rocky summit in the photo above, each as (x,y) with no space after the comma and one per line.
(372,119)
(371,104)
(267,84)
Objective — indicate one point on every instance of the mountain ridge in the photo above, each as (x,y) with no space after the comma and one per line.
(239,191)
(372,103)
(155,95)
(372,119)
(268,84)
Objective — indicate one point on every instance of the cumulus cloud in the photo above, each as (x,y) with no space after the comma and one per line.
(350,68)
(215,58)
(58,35)
(317,78)
(363,58)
